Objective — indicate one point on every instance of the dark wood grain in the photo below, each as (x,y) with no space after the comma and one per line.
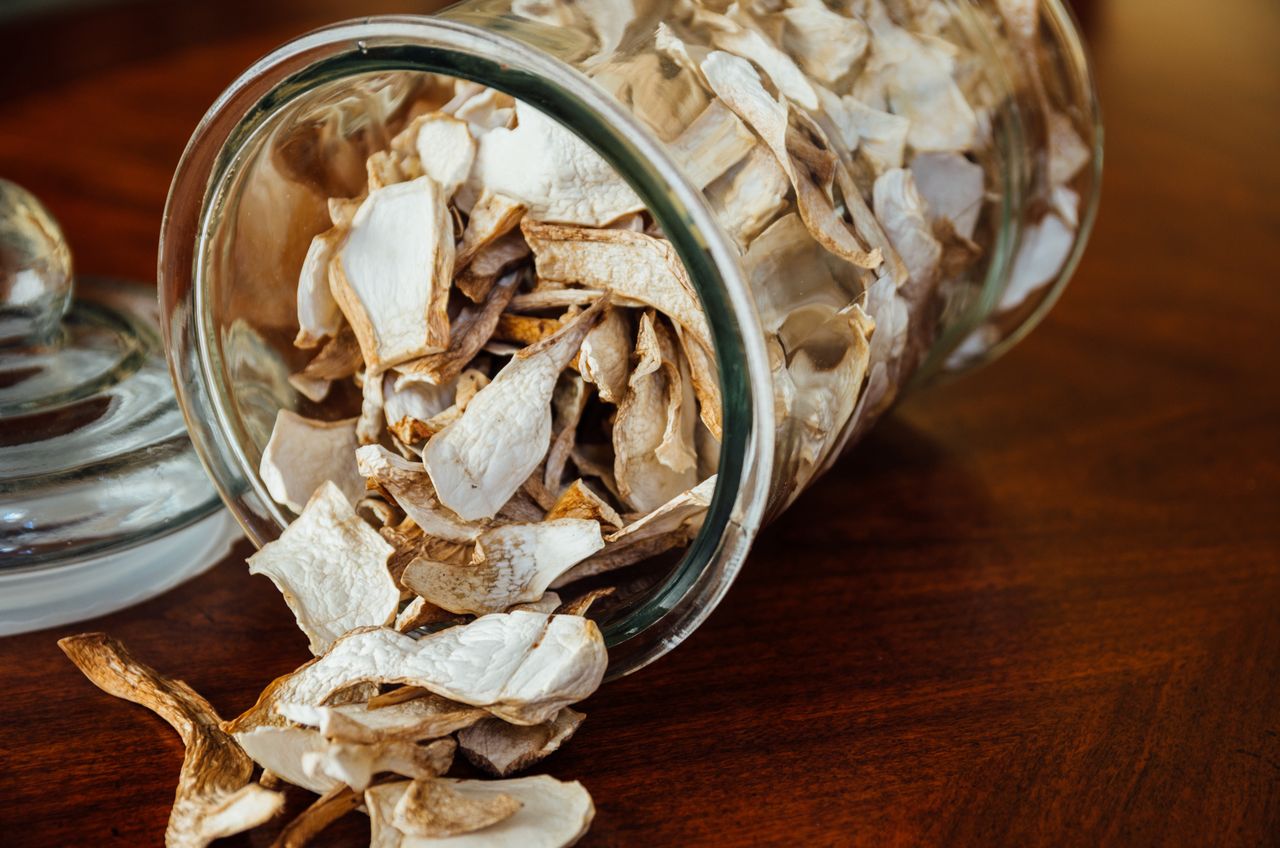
(1039,606)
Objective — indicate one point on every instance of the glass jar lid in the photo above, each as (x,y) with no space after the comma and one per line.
(94,454)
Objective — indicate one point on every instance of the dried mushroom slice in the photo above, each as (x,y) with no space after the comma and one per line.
(427,716)
(738,36)
(582,604)
(502,749)
(519,666)
(490,263)
(952,188)
(392,274)
(826,44)
(553,172)
(578,501)
(311,388)
(339,358)
(407,406)
(280,750)
(331,568)
(445,148)
(568,402)
(478,462)
(605,358)
(474,327)
(434,809)
(409,484)
(901,211)
(303,454)
(324,811)
(549,602)
(355,765)
(552,814)
(318,313)
(880,137)
(511,564)
(493,216)
(750,195)
(645,449)
(712,144)
(215,797)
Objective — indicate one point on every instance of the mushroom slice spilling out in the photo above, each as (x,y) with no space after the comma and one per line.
(478,462)
(739,86)
(318,313)
(520,666)
(642,268)
(280,750)
(409,484)
(673,520)
(331,568)
(553,172)
(355,765)
(215,797)
(392,274)
(502,749)
(303,454)
(493,216)
(433,809)
(474,327)
(512,564)
(578,501)
(426,717)
(605,359)
(552,814)
(712,144)
(324,811)
(826,44)
(652,439)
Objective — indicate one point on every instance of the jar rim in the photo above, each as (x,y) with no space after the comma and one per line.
(679,603)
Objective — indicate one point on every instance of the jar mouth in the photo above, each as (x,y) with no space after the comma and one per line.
(667,612)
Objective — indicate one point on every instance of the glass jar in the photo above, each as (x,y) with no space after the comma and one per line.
(1015,167)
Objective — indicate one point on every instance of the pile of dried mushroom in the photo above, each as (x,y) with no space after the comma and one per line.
(540,402)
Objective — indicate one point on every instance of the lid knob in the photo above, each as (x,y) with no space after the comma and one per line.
(35,269)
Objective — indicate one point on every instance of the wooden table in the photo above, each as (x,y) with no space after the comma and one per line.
(1038,606)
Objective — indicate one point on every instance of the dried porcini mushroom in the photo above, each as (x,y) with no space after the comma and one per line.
(426,716)
(215,795)
(391,275)
(331,568)
(302,454)
(503,749)
(434,809)
(355,764)
(552,814)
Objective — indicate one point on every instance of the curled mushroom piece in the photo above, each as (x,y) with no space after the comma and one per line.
(331,568)
(520,666)
(302,454)
(434,809)
(215,795)
(552,814)
(502,749)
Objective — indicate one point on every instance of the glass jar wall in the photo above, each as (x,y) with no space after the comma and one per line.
(861,197)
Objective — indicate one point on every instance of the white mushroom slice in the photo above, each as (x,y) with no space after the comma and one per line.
(386,167)
(902,213)
(552,814)
(739,37)
(682,513)
(552,171)
(391,276)
(215,795)
(318,313)
(548,603)
(750,195)
(312,388)
(338,359)
(880,136)
(369,424)
(407,404)
(409,484)
(1042,252)
(502,749)
(578,501)
(605,358)
(826,44)
(712,144)
(686,55)
(478,462)
(738,85)
(553,298)
(279,750)
(493,216)
(519,666)
(432,808)
(343,209)
(303,453)
(331,568)
(952,187)
(512,564)
(1068,153)
(354,765)
(445,148)
(425,717)
(568,402)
